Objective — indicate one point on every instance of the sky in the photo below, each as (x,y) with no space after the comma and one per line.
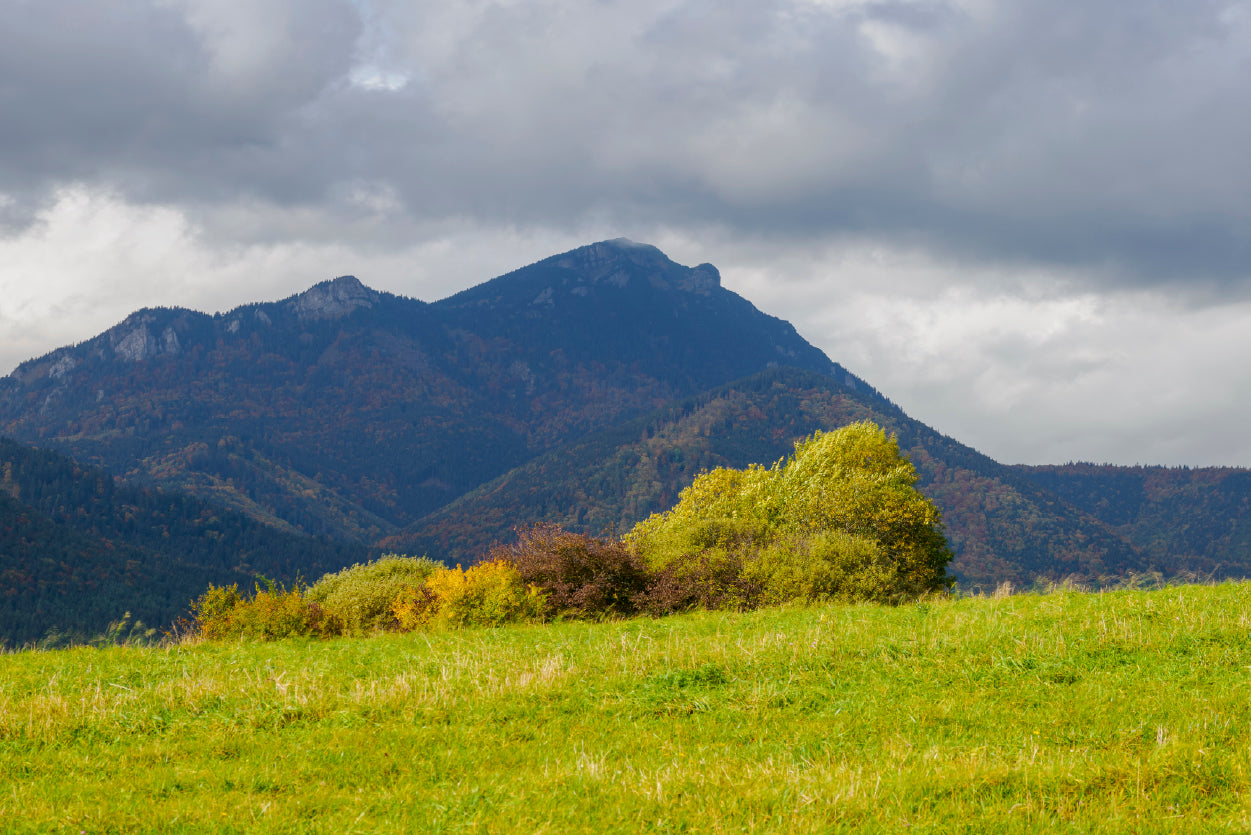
(1027,223)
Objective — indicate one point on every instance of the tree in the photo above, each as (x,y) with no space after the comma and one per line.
(841,519)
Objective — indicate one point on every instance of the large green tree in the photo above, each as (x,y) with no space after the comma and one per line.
(841,518)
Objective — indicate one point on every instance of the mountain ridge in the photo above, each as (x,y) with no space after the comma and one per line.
(287,410)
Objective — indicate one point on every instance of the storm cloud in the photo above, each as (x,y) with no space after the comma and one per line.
(1019,219)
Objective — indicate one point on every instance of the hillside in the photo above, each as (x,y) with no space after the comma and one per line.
(77,549)
(1116,712)
(1190,519)
(1001,524)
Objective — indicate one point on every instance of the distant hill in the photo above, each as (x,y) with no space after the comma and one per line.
(1183,519)
(78,550)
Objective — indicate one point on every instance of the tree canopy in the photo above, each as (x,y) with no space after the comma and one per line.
(841,518)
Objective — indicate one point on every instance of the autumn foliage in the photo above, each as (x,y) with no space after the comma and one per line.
(580,575)
(841,520)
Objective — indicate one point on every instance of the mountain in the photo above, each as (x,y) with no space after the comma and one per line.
(588,388)
(78,549)
(352,413)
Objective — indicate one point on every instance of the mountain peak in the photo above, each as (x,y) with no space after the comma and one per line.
(618,260)
(624,243)
(333,299)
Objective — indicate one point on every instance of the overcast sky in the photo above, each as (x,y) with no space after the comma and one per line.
(1028,223)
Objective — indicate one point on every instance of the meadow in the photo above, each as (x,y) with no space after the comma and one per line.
(1126,711)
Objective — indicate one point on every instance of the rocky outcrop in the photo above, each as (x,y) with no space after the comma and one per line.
(134,339)
(702,280)
(332,299)
(136,344)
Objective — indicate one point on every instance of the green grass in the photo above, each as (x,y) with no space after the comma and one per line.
(1115,712)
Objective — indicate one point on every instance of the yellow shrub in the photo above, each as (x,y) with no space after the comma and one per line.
(270,614)
(413,608)
(361,596)
(214,609)
(488,594)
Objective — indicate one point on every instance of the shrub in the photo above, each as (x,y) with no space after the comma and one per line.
(212,611)
(580,575)
(828,566)
(414,608)
(721,508)
(488,594)
(709,579)
(677,541)
(361,595)
(270,614)
(856,481)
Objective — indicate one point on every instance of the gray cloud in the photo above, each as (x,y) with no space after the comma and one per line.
(1090,133)
(1032,152)
(163,101)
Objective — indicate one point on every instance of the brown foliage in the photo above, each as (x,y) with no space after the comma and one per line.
(581,575)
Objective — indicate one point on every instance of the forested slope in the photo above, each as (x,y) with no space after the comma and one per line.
(78,549)
(1001,524)
(1185,519)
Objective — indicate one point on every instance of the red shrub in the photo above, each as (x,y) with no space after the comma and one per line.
(581,575)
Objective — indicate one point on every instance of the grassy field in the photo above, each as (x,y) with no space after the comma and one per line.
(1115,712)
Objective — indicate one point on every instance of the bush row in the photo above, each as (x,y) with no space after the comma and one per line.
(547,573)
(392,593)
(840,520)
